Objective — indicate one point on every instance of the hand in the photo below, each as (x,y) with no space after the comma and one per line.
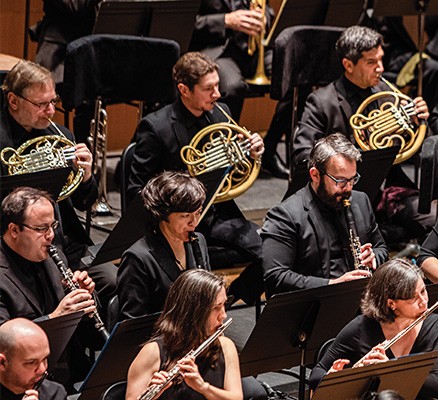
(246,21)
(77,300)
(351,276)
(84,280)
(338,365)
(158,378)
(31,394)
(257,146)
(376,355)
(84,160)
(190,373)
(367,256)
(421,109)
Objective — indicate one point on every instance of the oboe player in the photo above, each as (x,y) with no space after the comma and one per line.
(30,282)
(194,310)
(394,298)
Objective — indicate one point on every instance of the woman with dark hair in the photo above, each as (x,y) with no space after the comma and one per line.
(194,310)
(173,201)
(394,298)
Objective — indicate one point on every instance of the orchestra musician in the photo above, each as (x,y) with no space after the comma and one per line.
(394,298)
(194,310)
(173,201)
(30,282)
(159,139)
(329,109)
(24,350)
(306,237)
(30,100)
(428,257)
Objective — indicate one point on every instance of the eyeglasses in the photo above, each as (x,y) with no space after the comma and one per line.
(341,183)
(43,105)
(44,228)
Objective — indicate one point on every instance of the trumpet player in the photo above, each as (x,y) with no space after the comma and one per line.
(395,298)
(29,105)
(30,283)
(328,110)
(24,350)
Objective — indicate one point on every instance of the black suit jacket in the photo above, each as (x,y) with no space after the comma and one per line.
(296,252)
(16,300)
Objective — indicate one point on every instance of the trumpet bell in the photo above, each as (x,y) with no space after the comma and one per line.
(217,146)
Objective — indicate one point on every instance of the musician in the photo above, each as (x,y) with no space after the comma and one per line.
(394,298)
(305,238)
(24,349)
(30,282)
(194,310)
(173,201)
(329,109)
(222,30)
(160,137)
(30,100)
(428,257)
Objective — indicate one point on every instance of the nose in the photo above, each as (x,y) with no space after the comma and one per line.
(216,93)
(42,367)
(380,67)
(50,234)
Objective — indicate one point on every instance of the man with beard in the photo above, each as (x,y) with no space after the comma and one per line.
(306,239)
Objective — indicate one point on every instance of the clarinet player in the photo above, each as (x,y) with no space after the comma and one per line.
(30,282)
(173,202)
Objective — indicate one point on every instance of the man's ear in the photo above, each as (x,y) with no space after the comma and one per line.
(13,229)
(12,101)
(3,361)
(348,65)
(315,175)
(183,89)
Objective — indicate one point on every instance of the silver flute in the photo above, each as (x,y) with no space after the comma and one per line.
(152,391)
(67,275)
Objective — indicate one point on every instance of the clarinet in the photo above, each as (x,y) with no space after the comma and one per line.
(67,276)
(194,241)
(38,384)
(152,391)
(353,235)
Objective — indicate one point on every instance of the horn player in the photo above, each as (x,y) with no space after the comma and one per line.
(28,106)
(329,109)
(160,137)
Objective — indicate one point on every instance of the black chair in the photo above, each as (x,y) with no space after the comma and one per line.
(116,391)
(304,57)
(429,174)
(125,169)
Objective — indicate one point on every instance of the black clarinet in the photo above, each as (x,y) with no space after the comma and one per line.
(194,241)
(353,235)
(38,383)
(67,275)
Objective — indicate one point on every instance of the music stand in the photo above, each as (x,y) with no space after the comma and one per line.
(117,354)
(132,224)
(166,19)
(311,322)
(52,181)
(344,13)
(59,331)
(373,169)
(405,375)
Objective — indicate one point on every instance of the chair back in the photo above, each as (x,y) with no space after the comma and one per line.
(125,170)
(116,391)
(429,174)
(119,68)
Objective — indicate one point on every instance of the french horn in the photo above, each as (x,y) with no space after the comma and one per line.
(44,153)
(218,146)
(389,125)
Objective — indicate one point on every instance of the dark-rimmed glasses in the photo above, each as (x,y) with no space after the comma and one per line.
(43,229)
(341,183)
(43,105)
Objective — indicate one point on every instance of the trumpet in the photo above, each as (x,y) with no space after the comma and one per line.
(388,343)
(67,275)
(152,391)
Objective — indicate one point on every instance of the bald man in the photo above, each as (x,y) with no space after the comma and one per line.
(24,350)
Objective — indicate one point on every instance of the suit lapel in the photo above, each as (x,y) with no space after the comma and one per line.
(161,252)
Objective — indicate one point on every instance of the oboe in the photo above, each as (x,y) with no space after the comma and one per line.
(67,275)
(39,383)
(353,235)
(388,343)
(194,241)
(152,391)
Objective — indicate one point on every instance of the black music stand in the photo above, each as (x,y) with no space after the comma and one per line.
(165,19)
(405,375)
(132,224)
(59,331)
(52,181)
(344,13)
(117,354)
(373,169)
(432,291)
(295,324)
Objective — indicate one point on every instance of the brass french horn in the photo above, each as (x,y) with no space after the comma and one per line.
(217,146)
(44,153)
(389,125)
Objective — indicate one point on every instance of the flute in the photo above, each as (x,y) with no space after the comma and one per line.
(152,391)
(390,342)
